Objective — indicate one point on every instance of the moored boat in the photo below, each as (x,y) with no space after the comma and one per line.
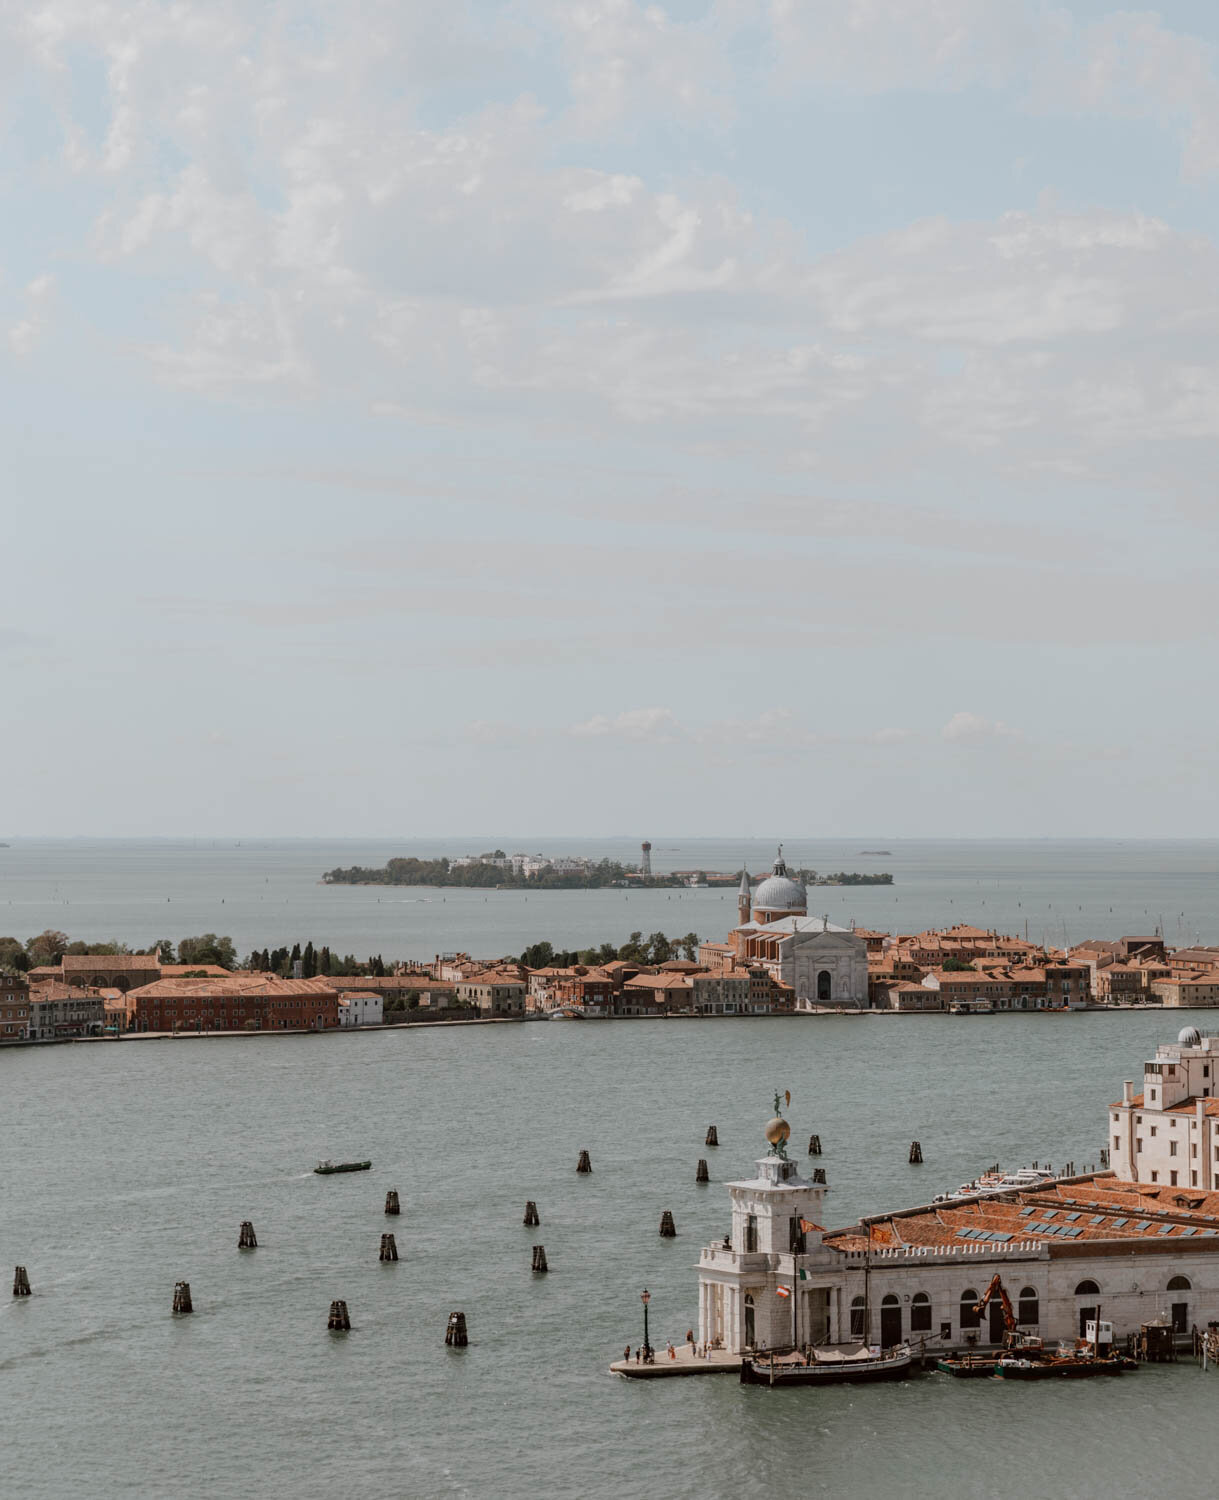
(325,1168)
(832,1365)
(969,1366)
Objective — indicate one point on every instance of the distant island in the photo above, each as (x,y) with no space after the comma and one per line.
(498,871)
(886,852)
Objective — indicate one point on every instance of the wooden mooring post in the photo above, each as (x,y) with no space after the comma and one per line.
(21,1282)
(819,1175)
(585,1164)
(701,1173)
(539,1259)
(339,1320)
(247,1239)
(455,1335)
(916,1154)
(531,1213)
(389,1247)
(713,1136)
(668,1230)
(182,1302)
(814,1145)
(392,1206)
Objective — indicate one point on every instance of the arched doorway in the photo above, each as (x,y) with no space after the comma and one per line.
(920,1313)
(969,1318)
(825,985)
(751,1321)
(1179,1307)
(1087,1314)
(1028,1308)
(890,1321)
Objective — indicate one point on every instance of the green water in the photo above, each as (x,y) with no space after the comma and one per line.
(128,1167)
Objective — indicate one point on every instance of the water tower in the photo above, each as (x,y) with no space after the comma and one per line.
(645,864)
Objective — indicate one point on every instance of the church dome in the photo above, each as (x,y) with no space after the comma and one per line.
(779,892)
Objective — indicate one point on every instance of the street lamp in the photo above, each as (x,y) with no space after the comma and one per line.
(645,1297)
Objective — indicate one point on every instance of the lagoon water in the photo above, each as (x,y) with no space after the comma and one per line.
(128,1167)
(268,893)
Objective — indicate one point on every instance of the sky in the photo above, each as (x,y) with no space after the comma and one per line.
(743,417)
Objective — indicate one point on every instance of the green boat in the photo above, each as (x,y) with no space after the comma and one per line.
(327,1167)
(969,1366)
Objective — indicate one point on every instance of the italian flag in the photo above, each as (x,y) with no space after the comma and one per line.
(783,1291)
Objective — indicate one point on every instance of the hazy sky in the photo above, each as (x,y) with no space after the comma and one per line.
(558,415)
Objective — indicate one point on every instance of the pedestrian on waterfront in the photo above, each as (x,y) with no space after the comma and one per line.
(689,1335)
(637,1353)
(626,1354)
(672,1351)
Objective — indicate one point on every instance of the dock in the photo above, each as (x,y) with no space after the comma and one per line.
(685,1362)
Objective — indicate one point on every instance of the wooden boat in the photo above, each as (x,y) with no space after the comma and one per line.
(969,1366)
(1053,1367)
(325,1168)
(833,1365)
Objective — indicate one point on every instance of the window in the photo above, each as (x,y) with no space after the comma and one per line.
(920,1313)
(859,1321)
(969,1317)
(1172,1148)
(1179,1284)
(1155,1177)
(1117,1143)
(1138,1143)
(1028,1308)
(1085,1289)
(751,1234)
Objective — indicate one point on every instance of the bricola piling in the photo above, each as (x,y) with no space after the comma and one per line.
(668,1230)
(539,1260)
(391,1203)
(339,1320)
(814,1145)
(916,1154)
(713,1136)
(531,1213)
(819,1175)
(21,1282)
(389,1247)
(455,1335)
(585,1164)
(182,1302)
(701,1173)
(247,1239)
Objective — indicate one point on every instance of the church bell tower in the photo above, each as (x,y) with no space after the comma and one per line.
(742,900)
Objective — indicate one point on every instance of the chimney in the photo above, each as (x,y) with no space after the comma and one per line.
(1128,1091)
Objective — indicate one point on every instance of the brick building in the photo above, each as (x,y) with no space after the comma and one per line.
(14,1008)
(237,1002)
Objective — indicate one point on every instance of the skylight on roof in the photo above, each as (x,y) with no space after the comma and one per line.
(1025,1212)
(1119,1223)
(1048,1213)
(1164,1229)
(1071,1218)
(1097,1219)
(1143,1224)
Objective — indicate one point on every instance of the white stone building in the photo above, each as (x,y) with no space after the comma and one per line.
(1141,1250)
(361,1009)
(823,964)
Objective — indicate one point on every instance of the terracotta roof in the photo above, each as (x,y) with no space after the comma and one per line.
(176,971)
(659,982)
(233,984)
(75,963)
(1095,1208)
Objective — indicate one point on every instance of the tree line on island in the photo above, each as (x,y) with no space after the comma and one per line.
(654,949)
(483,875)
(50,947)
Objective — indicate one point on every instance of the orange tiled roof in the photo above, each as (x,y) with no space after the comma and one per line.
(232,984)
(1083,1209)
(114,962)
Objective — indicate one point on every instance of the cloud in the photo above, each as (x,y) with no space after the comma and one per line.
(659,725)
(972,729)
(24,336)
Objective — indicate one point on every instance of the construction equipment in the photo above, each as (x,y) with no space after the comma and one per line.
(997,1289)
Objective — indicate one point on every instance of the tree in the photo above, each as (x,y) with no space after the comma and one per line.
(166,948)
(958,966)
(47,948)
(323,962)
(208,949)
(538,956)
(634,950)
(308,961)
(688,945)
(13,957)
(660,949)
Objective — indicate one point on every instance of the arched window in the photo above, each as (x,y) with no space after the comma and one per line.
(859,1320)
(890,1321)
(1028,1308)
(1179,1284)
(751,1331)
(920,1313)
(969,1318)
(1087,1289)
(825,985)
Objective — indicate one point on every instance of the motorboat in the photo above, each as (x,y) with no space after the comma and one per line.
(832,1364)
(326,1168)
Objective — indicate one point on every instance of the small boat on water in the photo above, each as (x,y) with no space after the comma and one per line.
(828,1365)
(325,1168)
(969,1366)
(999,1182)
